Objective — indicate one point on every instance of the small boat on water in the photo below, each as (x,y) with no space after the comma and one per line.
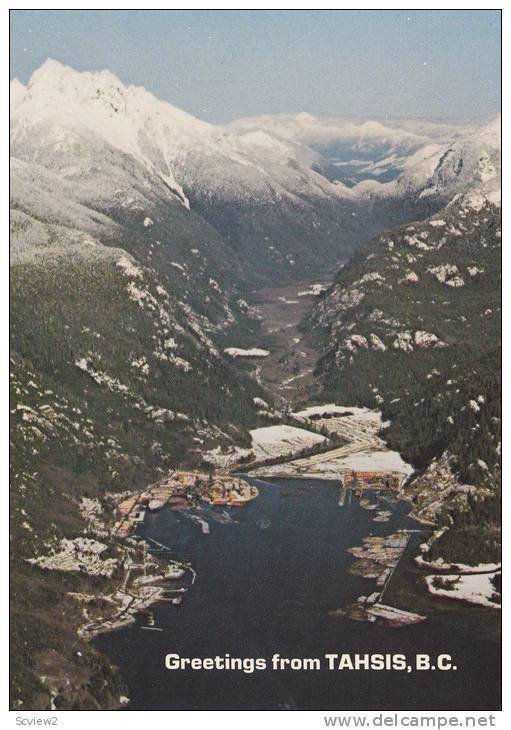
(151,628)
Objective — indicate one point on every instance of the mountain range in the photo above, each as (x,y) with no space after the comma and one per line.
(139,236)
(286,195)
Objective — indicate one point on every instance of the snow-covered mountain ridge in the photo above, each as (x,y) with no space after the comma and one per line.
(163,138)
(287,194)
(413,154)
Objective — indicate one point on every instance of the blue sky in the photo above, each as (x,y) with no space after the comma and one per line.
(220,65)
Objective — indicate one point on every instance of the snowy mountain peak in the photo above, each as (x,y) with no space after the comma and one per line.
(183,151)
(306,118)
(490,133)
(50,69)
(103,88)
(57,75)
(127,118)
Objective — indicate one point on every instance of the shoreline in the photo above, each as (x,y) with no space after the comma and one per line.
(396,611)
(152,493)
(190,488)
(393,613)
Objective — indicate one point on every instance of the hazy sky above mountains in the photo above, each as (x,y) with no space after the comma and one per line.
(220,65)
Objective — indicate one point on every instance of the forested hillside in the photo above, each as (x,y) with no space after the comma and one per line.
(114,381)
(412,325)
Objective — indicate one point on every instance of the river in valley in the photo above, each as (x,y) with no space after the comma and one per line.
(265,584)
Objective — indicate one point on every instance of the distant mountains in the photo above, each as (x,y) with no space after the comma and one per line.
(414,153)
(287,196)
(350,150)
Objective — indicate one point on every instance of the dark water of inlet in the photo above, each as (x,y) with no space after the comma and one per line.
(265,585)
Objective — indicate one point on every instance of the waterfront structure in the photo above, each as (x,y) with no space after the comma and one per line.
(181,490)
(376,480)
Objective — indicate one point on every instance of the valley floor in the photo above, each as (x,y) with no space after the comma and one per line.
(287,371)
